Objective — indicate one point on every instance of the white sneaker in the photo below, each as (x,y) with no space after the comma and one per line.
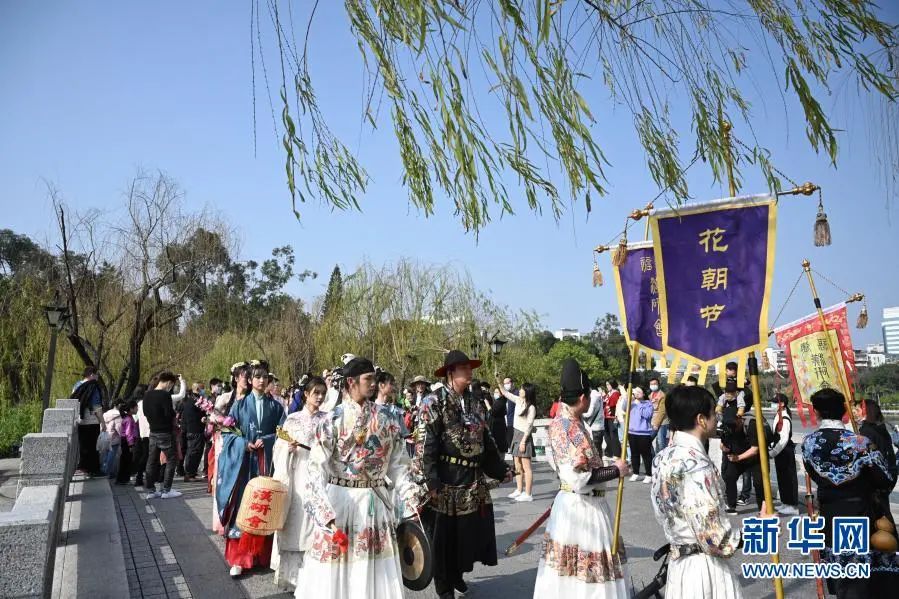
(153,494)
(647,480)
(236,571)
(514,494)
(788,510)
(634,478)
(524,497)
(171,494)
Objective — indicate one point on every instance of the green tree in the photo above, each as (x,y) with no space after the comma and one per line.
(610,345)
(334,293)
(438,66)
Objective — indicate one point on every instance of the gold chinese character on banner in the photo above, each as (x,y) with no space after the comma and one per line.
(712,237)
(653,286)
(710,313)
(654,306)
(713,278)
(658,327)
(645,264)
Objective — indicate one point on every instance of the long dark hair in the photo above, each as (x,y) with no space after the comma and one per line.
(873,414)
(530,397)
(785,401)
(312,383)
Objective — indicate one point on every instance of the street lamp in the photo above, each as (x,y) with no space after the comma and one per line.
(56,319)
(496,346)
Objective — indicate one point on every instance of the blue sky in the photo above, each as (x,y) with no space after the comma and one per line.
(91,91)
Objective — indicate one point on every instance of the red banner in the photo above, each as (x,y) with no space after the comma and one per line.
(809,358)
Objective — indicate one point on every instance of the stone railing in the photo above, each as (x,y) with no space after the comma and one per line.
(29,532)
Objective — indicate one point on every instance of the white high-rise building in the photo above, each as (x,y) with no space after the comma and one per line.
(567,334)
(891,331)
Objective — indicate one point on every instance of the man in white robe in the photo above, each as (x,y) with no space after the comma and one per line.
(688,501)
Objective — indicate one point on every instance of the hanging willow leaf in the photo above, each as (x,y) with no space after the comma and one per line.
(537,57)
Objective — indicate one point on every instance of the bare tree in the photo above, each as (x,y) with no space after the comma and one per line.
(119,281)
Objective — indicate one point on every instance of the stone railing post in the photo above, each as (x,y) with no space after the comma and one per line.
(28,536)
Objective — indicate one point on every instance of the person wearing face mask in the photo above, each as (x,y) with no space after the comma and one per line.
(639,436)
(498,415)
(290,460)
(659,417)
(509,387)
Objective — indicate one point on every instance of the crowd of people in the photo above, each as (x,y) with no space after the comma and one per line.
(359,455)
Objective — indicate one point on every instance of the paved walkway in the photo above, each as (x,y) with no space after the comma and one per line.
(170,550)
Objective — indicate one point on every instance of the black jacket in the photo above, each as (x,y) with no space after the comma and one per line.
(191,415)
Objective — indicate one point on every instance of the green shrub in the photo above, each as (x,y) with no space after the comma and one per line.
(16,422)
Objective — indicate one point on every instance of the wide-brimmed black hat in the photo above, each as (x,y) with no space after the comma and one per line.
(455,358)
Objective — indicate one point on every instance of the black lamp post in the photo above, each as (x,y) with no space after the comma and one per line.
(496,347)
(56,318)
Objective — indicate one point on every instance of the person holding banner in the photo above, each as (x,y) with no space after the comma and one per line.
(687,501)
(577,559)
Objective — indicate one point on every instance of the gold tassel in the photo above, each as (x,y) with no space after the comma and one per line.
(862,321)
(620,253)
(597,275)
(822,227)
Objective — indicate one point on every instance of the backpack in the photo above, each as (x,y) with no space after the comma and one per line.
(83,394)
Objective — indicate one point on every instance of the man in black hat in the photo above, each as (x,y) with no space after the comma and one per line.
(454,455)
(580,523)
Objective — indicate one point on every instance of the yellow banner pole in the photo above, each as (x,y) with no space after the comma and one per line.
(763,455)
(834,354)
(754,377)
(627,421)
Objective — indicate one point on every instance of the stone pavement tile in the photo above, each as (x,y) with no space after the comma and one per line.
(199,559)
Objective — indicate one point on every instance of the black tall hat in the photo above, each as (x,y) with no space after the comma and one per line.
(575,381)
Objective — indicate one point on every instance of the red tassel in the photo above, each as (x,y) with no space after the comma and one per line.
(251,544)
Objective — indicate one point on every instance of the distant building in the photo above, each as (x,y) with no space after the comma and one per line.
(891,331)
(562,334)
(875,360)
(776,358)
(875,348)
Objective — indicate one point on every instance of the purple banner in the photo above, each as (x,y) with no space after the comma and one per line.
(715,266)
(638,297)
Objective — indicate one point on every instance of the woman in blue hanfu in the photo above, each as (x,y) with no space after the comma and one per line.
(247,453)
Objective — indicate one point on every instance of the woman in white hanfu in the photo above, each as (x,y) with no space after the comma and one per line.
(577,560)
(290,465)
(354,552)
(688,500)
